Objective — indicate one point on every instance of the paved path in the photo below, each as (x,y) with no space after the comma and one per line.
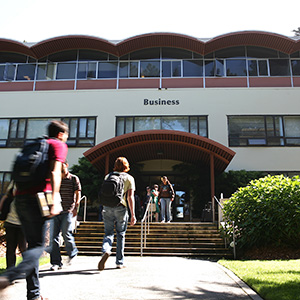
(143,278)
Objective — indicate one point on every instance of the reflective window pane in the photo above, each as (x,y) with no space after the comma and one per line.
(4,127)
(120,126)
(123,69)
(295,67)
(172,53)
(146,123)
(25,72)
(37,127)
(176,68)
(82,127)
(178,123)
(91,127)
(65,71)
(107,69)
(86,70)
(236,67)
(129,125)
(166,69)
(73,127)
(150,69)
(192,68)
(292,126)
(2,70)
(279,67)
(263,68)
(252,67)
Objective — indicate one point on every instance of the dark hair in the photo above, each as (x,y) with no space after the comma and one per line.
(55,127)
(121,165)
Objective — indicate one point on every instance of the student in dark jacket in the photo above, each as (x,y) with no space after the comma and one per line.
(166,196)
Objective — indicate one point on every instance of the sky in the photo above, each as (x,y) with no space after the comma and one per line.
(38,20)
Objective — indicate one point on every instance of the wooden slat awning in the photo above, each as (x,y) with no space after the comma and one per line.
(160,144)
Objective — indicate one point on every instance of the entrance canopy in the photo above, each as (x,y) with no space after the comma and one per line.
(160,144)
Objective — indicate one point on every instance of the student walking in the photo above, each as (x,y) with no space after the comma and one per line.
(70,191)
(28,209)
(117,216)
(166,196)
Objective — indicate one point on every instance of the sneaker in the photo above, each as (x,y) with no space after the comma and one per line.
(169,222)
(120,267)
(4,282)
(55,268)
(163,221)
(101,264)
(70,260)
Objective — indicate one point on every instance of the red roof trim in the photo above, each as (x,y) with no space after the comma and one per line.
(248,38)
(174,145)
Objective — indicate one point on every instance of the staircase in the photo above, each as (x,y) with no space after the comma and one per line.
(172,239)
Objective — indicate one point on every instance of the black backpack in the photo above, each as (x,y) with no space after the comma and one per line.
(31,165)
(112,189)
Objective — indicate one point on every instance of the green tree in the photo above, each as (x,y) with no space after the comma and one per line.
(266,212)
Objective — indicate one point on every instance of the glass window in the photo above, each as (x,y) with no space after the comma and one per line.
(120,126)
(9,73)
(209,68)
(70,55)
(86,70)
(245,130)
(194,125)
(123,69)
(82,127)
(91,125)
(166,69)
(151,53)
(107,69)
(203,126)
(192,68)
(25,72)
(178,123)
(150,69)
(263,68)
(252,67)
(172,53)
(260,52)
(279,67)
(10,57)
(236,67)
(46,71)
(219,67)
(176,68)
(65,71)
(292,126)
(2,70)
(88,55)
(296,67)
(146,123)
(295,54)
(232,52)
(129,125)
(4,126)
(37,127)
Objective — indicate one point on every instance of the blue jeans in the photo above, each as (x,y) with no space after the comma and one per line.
(63,223)
(115,216)
(34,227)
(165,209)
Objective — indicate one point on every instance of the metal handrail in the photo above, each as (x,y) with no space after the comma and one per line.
(233,244)
(145,224)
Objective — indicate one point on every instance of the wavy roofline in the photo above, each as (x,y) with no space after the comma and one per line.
(46,47)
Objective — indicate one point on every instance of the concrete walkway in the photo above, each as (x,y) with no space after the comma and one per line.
(143,278)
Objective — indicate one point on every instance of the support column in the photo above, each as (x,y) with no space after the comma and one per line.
(212,185)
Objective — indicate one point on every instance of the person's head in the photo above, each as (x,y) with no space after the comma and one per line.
(121,165)
(64,169)
(164,179)
(58,129)
(148,189)
(155,186)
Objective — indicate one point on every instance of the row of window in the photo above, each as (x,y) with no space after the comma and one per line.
(243,131)
(13,132)
(149,69)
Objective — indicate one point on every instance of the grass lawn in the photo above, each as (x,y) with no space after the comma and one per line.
(43,260)
(272,279)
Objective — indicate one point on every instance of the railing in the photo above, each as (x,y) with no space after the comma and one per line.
(224,224)
(145,225)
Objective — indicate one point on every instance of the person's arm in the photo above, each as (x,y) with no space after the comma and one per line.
(2,201)
(130,199)
(172,192)
(77,201)
(55,179)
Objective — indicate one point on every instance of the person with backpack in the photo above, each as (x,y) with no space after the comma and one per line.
(166,196)
(46,179)
(116,188)
(70,191)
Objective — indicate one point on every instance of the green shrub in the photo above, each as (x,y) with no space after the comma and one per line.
(266,212)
